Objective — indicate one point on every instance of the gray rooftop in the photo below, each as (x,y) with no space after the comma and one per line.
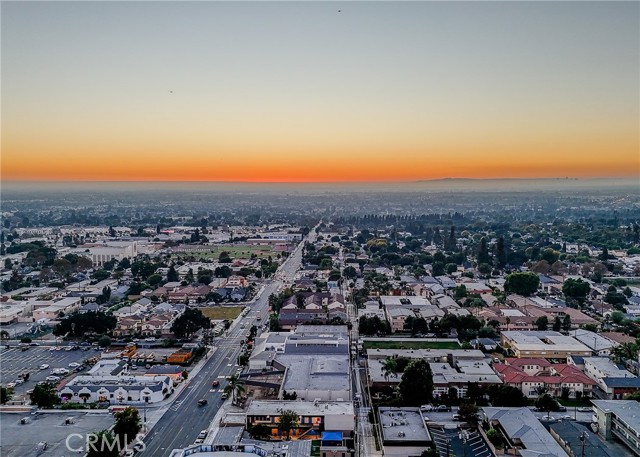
(403,426)
(326,373)
(523,428)
(628,411)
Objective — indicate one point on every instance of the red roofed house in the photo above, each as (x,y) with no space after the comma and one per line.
(530,374)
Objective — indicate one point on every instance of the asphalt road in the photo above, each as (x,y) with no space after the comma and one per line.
(182,422)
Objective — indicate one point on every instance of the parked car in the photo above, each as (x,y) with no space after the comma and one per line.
(224,395)
(456,417)
(44,366)
(52,378)
(203,434)
(74,365)
(426,408)
(585,409)
(443,408)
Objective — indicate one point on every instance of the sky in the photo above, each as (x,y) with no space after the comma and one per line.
(319,91)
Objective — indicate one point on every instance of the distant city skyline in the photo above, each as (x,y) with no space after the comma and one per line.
(319,91)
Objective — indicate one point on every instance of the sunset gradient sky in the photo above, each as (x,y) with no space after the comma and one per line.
(297,91)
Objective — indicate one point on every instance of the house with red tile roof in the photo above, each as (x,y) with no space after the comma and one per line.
(531,375)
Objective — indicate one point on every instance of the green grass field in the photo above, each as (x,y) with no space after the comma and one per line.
(222,312)
(243,251)
(410,345)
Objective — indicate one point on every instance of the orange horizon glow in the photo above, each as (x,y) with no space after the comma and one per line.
(293,92)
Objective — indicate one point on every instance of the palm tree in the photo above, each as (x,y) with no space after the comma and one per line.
(389,368)
(235,387)
(288,420)
(541,390)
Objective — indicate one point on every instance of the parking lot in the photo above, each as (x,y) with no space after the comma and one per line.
(15,362)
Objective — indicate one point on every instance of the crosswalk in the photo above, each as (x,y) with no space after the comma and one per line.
(176,405)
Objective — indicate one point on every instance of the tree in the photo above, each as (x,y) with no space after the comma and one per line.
(460,291)
(431,452)
(189,322)
(5,395)
(485,269)
(566,323)
(483,252)
(451,268)
(625,352)
(101,275)
(259,431)
(172,274)
(103,444)
(389,368)
(44,395)
(416,385)
(185,374)
(508,396)
(617,317)
(501,253)
(495,437)
(468,413)
(350,272)
(546,403)
(438,268)
(154,279)
(77,325)
(524,284)
(235,387)
(542,323)
(288,420)
(104,341)
(127,425)
(576,289)
(615,298)
(557,324)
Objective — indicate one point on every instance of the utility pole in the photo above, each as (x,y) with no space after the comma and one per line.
(583,438)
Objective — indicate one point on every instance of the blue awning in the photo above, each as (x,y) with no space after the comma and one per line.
(331,436)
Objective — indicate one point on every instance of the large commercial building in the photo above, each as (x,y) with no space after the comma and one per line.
(404,433)
(313,360)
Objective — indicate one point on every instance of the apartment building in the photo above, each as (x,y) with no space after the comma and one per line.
(543,344)
(619,419)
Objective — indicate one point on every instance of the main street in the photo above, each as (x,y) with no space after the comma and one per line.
(180,425)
